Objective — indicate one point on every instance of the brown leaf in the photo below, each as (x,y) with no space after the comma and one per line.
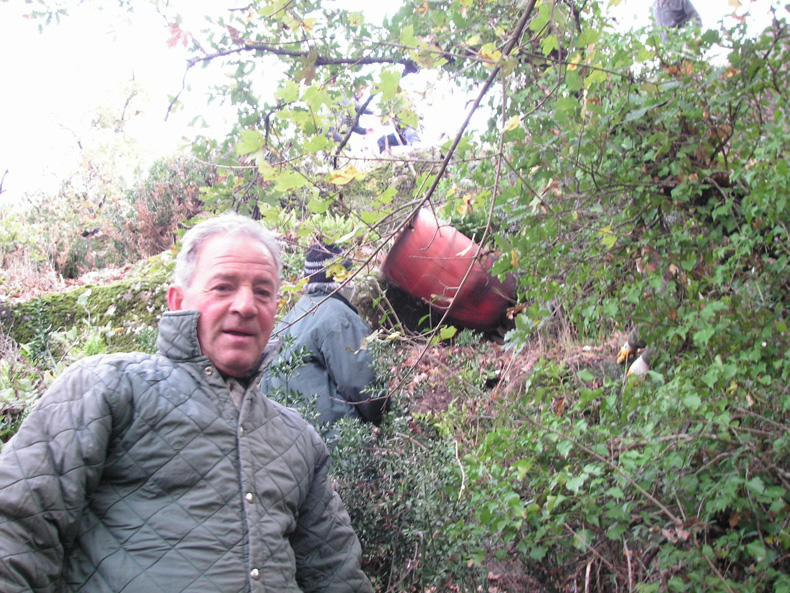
(735,518)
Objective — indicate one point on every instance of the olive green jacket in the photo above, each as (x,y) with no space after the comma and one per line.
(137,473)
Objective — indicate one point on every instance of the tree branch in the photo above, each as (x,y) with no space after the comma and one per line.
(351,128)
(288,53)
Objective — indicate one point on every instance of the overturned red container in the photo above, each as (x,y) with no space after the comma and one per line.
(430,260)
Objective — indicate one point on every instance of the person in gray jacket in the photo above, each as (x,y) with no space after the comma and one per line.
(173,472)
(674,14)
(327,332)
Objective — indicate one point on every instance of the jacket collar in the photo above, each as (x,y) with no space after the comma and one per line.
(318,294)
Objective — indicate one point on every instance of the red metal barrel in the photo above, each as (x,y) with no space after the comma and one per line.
(429,261)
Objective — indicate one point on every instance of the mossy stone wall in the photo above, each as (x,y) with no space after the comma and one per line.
(124,304)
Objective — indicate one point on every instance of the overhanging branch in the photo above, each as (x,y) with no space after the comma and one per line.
(319,60)
(297,54)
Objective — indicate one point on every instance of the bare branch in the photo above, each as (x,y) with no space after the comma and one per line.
(297,54)
(351,128)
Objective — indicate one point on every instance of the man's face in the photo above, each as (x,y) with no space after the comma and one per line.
(235,290)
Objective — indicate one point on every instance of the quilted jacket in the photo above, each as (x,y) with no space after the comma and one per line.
(336,370)
(137,473)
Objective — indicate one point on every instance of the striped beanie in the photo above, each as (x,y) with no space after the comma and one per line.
(319,258)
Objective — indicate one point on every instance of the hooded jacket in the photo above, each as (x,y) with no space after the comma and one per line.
(137,473)
(675,14)
(337,369)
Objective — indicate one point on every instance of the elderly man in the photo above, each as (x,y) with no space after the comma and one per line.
(172,472)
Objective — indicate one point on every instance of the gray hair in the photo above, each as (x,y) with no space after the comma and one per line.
(224,224)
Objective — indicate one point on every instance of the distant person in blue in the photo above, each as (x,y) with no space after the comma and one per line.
(326,327)
(674,14)
(401,137)
(352,121)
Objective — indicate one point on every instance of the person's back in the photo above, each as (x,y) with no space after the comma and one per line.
(674,14)
(337,369)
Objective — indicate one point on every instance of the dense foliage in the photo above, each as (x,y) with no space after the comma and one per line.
(624,181)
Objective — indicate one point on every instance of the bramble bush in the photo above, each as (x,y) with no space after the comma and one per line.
(649,188)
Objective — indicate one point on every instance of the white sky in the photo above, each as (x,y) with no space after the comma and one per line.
(54,82)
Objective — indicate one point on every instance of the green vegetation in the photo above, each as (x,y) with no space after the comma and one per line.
(621,180)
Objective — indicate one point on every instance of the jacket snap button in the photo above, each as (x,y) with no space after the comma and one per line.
(254,573)
(248,497)
(209,371)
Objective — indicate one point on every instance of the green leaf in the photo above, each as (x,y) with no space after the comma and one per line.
(317,206)
(585,375)
(267,171)
(315,97)
(587,37)
(447,332)
(637,113)
(704,335)
(389,81)
(757,550)
(595,77)
(692,401)
(574,484)
(82,300)
(541,20)
(388,195)
(538,553)
(756,484)
(689,262)
(552,501)
(513,501)
(522,468)
(370,218)
(317,143)
(582,539)
(289,180)
(407,37)
(573,81)
(567,104)
(564,448)
(608,238)
(549,44)
(288,93)
(357,17)
(251,141)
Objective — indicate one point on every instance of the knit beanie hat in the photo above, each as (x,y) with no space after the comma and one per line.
(319,258)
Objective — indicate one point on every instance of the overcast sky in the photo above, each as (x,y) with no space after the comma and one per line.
(54,82)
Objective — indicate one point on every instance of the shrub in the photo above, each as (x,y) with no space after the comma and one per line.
(19,385)
(169,195)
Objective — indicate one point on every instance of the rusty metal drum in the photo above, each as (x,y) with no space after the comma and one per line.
(429,260)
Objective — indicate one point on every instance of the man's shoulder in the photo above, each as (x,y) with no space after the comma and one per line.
(102,374)
(332,305)
(117,361)
(311,308)
(110,369)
